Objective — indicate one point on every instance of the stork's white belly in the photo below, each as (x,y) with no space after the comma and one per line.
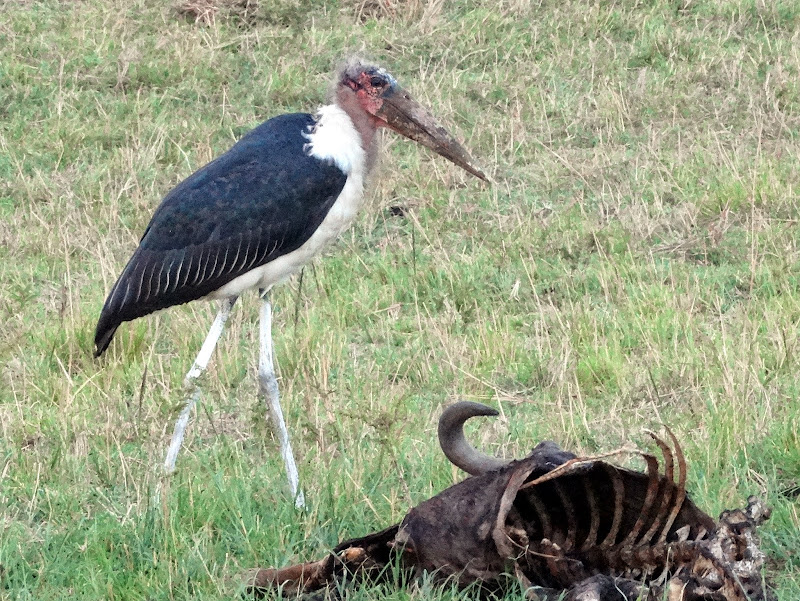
(335,139)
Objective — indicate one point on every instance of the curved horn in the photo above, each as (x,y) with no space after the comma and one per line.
(455,446)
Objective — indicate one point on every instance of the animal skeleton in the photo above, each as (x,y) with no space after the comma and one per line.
(560,524)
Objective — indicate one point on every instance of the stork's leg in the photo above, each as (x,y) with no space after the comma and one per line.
(269,388)
(198,367)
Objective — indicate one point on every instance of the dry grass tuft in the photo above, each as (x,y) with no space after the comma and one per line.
(205,12)
(423,14)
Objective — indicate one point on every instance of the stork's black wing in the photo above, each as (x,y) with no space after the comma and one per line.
(263,198)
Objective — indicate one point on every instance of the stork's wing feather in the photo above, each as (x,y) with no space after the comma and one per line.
(262,199)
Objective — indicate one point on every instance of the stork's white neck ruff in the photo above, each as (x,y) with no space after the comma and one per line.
(333,138)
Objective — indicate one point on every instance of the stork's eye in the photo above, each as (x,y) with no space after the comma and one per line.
(376,82)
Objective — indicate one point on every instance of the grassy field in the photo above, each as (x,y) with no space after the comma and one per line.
(635,263)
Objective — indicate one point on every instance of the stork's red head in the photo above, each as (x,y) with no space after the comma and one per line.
(388,105)
(369,84)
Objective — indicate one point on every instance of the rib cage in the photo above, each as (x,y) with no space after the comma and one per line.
(589,517)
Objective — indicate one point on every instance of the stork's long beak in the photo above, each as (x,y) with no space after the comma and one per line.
(409,118)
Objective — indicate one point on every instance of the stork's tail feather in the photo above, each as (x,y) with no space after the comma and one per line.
(150,282)
(107,324)
(110,319)
(103,336)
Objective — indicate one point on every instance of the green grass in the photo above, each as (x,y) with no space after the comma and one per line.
(636,263)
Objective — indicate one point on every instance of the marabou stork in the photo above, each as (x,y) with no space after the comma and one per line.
(258,213)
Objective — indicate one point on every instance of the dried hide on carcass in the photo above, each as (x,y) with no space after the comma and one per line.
(556,526)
